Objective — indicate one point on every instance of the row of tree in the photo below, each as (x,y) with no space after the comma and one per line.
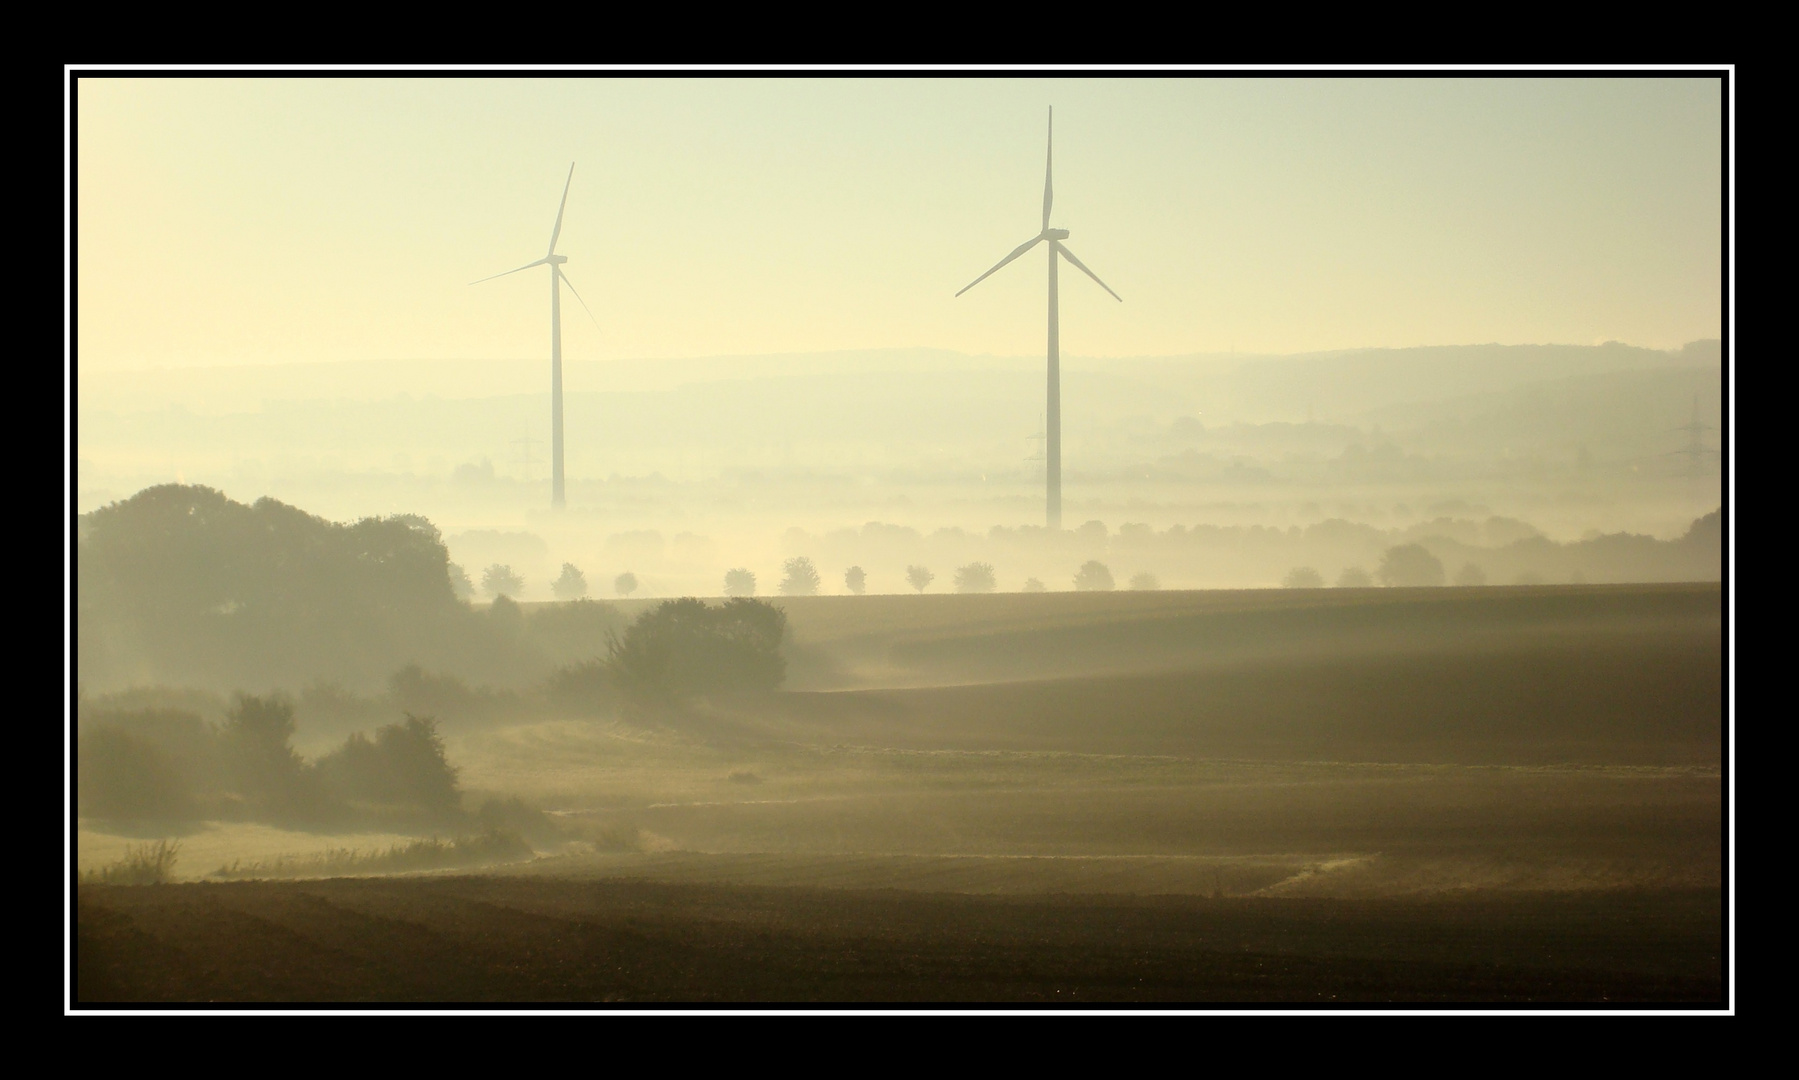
(801,578)
(501,580)
(1402,565)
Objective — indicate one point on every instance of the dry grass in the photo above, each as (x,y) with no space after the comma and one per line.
(143,864)
(481,849)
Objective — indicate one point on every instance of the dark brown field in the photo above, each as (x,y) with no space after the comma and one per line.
(1340,796)
(500,939)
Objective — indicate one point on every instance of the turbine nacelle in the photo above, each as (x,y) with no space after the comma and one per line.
(557,260)
(1055,234)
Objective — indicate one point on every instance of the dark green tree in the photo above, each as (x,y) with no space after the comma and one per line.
(685,647)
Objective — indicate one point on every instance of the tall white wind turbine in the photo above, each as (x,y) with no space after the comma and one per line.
(1053,429)
(557,280)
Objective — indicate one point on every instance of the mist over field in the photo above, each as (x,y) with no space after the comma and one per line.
(1199,469)
(1336,615)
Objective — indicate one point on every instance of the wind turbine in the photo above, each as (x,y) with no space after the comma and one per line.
(1053,434)
(557,280)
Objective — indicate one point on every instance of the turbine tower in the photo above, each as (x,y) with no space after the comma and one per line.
(1053,431)
(1695,448)
(557,280)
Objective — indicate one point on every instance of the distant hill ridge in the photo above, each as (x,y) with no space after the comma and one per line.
(1360,378)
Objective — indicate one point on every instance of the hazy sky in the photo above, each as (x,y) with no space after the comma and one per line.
(318,219)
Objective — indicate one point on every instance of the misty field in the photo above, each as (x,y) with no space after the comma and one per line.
(1444,794)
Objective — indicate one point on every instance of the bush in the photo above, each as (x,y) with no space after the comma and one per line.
(976,577)
(1303,577)
(400,773)
(499,580)
(740,582)
(801,577)
(684,647)
(516,816)
(1093,577)
(1354,577)
(1033,585)
(625,584)
(1410,565)
(1470,574)
(1145,583)
(855,580)
(918,577)
(257,741)
(506,614)
(571,585)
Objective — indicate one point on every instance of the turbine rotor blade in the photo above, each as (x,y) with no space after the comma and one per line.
(584,307)
(1016,252)
(527,266)
(557,231)
(1049,157)
(1082,267)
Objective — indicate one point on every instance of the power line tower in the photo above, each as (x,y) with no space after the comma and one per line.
(525,457)
(1036,457)
(1695,449)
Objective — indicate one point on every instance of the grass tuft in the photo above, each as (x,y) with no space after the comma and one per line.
(143,864)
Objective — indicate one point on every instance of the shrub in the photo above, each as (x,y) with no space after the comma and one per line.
(571,584)
(684,647)
(918,577)
(1093,577)
(506,614)
(1470,574)
(1410,565)
(801,577)
(740,582)
(855,580)
(1303,577)
(1354,577)
(1033,585)
(514,815)
(976,577)
(401,772)
(257,741)
(499,580)
(1145,582)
